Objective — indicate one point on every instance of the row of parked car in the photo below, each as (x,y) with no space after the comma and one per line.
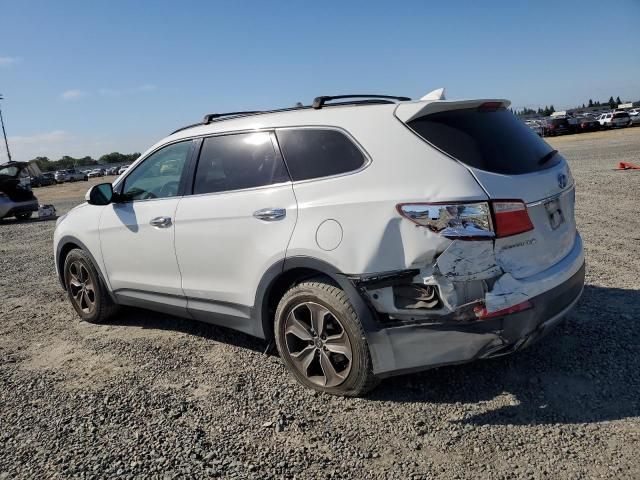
(562,124)
(74,175)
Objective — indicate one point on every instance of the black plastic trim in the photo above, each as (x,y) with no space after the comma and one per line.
(384,279)
(319,102)
(260,311)
(69,239)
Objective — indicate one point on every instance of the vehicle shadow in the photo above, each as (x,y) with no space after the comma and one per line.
(147,319)
(584,371)
(15,221)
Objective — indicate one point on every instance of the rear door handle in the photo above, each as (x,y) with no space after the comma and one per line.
(270,214)
(161,222)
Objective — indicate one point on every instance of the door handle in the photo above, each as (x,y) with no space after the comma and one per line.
(161,222)
(270,214)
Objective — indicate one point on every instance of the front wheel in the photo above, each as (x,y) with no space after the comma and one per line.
(87,293)
(321,340)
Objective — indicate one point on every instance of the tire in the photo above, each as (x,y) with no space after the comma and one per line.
(341,330)
(23,216)
(80,271)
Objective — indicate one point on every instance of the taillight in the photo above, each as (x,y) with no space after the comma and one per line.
(482,314)
(468,221)
(511,218)
(451,220)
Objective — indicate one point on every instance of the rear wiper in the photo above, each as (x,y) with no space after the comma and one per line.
(547,157)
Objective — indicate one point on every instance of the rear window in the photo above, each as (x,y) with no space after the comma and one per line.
(491,140)
(621,115)
(315,153)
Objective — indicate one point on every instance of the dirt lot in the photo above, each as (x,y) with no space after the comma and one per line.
(155,396)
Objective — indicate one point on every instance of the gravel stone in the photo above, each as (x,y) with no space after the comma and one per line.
(154,396)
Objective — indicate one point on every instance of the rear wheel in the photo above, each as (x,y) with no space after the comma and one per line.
(321,341)
(24,215)
(85,290)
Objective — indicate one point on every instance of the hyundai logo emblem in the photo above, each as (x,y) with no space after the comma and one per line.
(562,180)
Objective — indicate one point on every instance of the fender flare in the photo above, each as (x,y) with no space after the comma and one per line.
(365,313)
(70,239)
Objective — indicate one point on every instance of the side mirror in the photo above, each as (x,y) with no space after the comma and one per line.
(101,194)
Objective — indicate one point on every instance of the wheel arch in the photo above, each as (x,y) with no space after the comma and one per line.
(293,270)
(65,245)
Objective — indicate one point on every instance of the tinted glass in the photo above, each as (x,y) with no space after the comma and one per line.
(233,162)
(158,176)
(621,115)
(313,153)
(492,140)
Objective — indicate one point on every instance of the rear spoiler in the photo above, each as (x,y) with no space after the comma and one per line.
(408,111)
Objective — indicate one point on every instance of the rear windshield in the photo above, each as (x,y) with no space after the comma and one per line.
(491,140)
(620,115)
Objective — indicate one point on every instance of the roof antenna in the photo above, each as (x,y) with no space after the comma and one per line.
(437,94)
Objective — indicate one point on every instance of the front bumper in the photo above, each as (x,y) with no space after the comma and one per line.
(408,348)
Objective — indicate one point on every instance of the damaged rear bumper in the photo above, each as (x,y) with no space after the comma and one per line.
(418,346)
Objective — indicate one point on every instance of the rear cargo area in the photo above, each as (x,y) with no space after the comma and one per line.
(11,187)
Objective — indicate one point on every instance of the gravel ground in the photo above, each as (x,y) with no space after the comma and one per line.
(156,396)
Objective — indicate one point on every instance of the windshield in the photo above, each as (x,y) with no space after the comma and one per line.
(492,140)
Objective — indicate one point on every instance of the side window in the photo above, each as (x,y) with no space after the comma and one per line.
(314,153)
(234,162)
(158,176)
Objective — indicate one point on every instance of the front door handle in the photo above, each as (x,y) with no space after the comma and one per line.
(270,214)
(161,222)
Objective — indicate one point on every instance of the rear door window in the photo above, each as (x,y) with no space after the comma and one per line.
(491,140)
(238,161)
(316,153)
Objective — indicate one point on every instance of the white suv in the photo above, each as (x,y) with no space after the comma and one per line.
(367,237)
(614,119)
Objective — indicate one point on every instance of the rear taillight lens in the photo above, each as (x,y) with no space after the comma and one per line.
(511,218)
(469,221)
(451,220)
(482,314)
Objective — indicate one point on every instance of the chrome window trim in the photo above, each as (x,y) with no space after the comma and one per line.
(237,190)
(364,153)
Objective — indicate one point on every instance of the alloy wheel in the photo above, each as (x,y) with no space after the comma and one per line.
(318,344)
(81,286)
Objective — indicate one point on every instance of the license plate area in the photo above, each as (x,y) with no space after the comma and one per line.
(554,213)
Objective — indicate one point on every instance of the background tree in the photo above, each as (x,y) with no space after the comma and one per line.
(612,103)
(618,101)
(117,157)
(590,103)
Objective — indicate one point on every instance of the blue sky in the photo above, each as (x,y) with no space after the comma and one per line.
(91,77)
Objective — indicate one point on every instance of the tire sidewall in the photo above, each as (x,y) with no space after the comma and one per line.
(75,256)
(359,349)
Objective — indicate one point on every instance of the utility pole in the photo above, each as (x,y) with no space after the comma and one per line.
(4,132)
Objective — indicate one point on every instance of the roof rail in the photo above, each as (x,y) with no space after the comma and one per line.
(212,116)
(319,102)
